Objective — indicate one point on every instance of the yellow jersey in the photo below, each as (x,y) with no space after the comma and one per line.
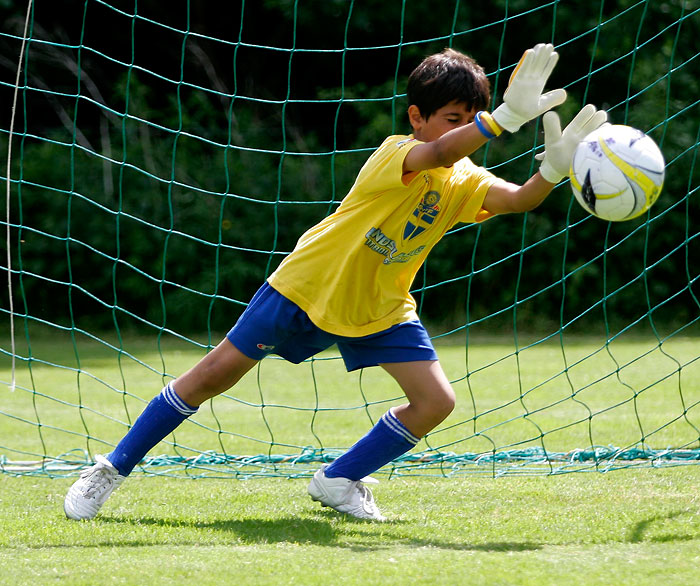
(352,272)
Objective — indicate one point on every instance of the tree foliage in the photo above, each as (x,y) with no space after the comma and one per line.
(165,159)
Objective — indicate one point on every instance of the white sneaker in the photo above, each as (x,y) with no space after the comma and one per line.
(91,490)
(345,495)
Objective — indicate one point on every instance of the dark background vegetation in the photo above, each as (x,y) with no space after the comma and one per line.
(168,154)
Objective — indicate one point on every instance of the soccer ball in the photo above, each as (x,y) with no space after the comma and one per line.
(617,172)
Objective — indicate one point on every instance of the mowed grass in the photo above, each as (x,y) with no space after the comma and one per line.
(632,526)
(560,394)
(628,527)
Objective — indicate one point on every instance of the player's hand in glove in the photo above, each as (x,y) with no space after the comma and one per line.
(559,146)
(523,99)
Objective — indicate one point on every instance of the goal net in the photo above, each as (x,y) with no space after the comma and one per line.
(161,161)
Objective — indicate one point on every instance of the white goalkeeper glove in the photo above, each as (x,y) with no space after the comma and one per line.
(559,146)
(523,99)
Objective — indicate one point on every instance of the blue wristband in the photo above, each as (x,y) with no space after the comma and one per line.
(482,127)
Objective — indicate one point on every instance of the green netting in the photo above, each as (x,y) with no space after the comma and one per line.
(165,159)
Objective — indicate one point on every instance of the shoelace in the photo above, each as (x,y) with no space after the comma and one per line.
(95,479)
(367,499)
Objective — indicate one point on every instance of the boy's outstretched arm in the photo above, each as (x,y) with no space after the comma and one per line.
(446,150)
(523,100)
(504,197)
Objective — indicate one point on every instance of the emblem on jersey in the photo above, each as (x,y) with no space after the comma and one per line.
(423,216)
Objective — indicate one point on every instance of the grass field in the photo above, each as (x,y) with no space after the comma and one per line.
(628,527)
(633,526)
(566,394)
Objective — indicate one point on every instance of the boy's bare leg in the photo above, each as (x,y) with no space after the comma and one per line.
(429,393)
(217,372)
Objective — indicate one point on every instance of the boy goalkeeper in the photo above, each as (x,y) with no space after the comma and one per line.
(347,281)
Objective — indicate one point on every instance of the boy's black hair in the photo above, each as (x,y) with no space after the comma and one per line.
(447,76)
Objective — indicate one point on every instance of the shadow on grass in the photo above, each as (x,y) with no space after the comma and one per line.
(327,530)
(640,531)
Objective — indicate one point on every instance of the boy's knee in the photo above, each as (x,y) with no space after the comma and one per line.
(446,401)
(440,404)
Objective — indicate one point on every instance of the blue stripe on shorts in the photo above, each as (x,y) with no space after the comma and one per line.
(272,324)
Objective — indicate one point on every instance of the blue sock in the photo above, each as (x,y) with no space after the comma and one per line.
(387,440)
(160,417)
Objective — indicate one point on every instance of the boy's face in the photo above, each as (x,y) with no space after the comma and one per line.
(450,116)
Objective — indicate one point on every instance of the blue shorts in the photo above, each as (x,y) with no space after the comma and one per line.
(272,324)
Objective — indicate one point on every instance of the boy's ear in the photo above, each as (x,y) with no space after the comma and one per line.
(415,117)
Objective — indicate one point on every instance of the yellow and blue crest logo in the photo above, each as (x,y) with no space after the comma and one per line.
(423,216)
